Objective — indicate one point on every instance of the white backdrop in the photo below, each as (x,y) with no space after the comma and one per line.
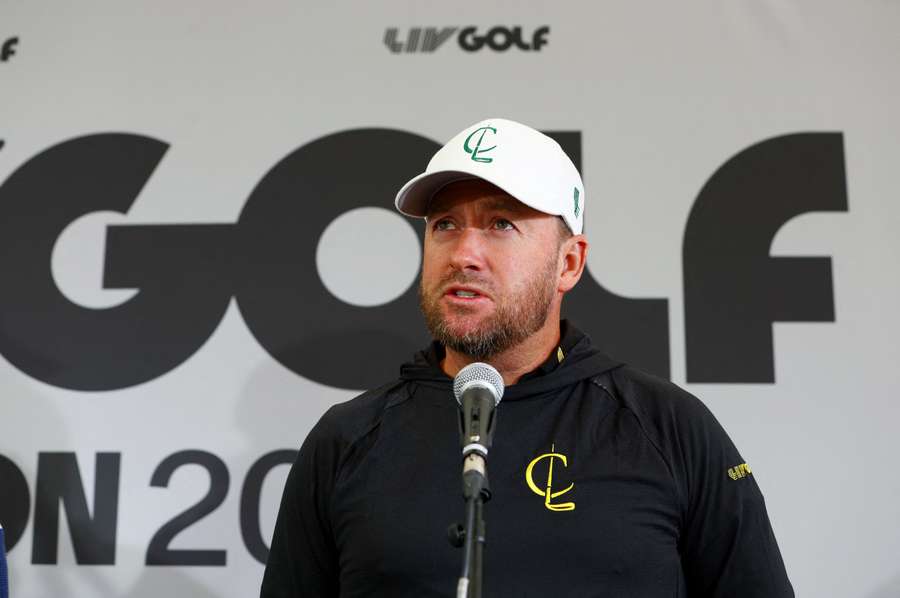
(662,95)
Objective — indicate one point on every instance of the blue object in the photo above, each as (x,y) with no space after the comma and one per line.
(4,579)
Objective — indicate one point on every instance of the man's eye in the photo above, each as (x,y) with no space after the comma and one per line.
(443,225)
(503,224)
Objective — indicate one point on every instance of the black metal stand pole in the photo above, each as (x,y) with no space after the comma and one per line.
(476,491)
(478,566)
(463,588)
(472,534)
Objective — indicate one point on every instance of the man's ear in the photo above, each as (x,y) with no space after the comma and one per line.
(573,254)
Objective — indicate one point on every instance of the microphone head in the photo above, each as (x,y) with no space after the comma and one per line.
(481,375)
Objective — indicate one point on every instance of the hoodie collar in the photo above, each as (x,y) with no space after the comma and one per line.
(579,360)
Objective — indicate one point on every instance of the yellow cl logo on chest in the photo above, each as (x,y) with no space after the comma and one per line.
(547,491)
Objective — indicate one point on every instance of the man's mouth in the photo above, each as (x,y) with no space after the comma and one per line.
(465,292)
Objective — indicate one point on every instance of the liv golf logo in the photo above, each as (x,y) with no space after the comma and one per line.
(499,39)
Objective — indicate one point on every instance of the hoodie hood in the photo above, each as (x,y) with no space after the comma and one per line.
(581,360)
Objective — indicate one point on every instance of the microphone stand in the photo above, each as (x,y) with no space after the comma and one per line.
(471,536)
(478,388)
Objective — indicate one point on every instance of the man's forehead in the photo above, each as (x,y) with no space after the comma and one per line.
(460,192)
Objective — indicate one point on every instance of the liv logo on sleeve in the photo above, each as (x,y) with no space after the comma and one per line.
(739,471)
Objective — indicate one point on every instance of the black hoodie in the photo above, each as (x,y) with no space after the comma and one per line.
(647,497)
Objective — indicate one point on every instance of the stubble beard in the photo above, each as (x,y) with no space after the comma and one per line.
(515,318)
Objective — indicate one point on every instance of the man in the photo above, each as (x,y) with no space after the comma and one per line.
(607,481)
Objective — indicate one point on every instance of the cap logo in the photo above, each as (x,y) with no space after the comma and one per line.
(577,208)
(478,149)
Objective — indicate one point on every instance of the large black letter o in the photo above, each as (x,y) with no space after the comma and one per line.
(283,301)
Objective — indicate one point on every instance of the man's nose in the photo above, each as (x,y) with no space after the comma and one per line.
(468,252)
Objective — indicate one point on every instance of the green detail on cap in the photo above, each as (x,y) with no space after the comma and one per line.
(576,209)
(477,149)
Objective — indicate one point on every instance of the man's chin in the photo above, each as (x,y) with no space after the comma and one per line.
(462,325)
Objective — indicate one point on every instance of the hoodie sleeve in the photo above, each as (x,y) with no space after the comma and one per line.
(727,546)
(303,560)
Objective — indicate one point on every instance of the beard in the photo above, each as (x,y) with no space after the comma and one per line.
(515,318)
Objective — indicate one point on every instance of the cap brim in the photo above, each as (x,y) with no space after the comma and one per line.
(414,196)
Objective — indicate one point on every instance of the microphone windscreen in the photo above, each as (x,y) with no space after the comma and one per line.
(478,374)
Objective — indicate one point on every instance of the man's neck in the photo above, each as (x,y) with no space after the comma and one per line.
(516,361)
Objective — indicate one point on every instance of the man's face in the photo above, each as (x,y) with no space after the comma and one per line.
(490,270)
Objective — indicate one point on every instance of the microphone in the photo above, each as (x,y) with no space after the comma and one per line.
(478,388)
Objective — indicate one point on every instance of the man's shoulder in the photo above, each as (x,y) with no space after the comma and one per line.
(676,422)
(648,388)
(355,417)
(656,399)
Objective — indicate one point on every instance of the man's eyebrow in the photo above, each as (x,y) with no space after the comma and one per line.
(503,203)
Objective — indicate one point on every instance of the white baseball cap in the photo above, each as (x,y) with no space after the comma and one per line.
(523,162)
